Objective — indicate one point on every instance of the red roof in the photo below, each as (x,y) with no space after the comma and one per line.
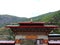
(31,23)
(32,26)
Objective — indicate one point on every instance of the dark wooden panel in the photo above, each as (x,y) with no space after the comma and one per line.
(31,30)
(35,33)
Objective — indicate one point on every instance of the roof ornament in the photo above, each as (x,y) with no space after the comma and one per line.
(31,20)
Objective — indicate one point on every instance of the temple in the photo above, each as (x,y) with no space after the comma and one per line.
(31,33)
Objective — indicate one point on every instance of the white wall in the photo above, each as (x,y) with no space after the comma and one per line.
(24,37)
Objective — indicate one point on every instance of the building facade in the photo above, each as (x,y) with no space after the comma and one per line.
(31,33)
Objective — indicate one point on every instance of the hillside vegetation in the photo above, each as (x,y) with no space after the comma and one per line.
(48,17)
(7,19)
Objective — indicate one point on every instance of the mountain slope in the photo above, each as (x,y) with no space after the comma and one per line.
(6,19)
(43,18)
(48,17)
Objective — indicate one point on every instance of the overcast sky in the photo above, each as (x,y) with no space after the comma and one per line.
(28,8)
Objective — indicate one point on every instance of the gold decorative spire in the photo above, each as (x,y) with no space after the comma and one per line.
(31,20)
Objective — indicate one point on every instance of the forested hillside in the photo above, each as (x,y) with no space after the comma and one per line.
(7,19)
(48,17)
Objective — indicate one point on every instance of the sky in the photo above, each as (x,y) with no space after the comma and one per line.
(28,8)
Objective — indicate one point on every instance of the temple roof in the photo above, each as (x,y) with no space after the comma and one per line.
(32,26)
(32,23)
(29,27)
